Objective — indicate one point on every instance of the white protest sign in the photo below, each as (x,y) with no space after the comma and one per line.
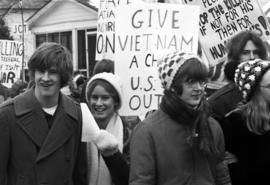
(18,29)
(10,61)
(144,33)
(105,43)
(90,129)
(220,20)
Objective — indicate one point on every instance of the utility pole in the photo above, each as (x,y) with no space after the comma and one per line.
(22,72)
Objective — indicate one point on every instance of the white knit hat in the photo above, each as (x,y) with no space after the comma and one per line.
(112,79)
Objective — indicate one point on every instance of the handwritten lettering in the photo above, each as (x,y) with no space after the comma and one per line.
(142,18)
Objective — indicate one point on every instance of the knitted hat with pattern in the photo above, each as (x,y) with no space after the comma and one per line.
(170,64)
(248,75)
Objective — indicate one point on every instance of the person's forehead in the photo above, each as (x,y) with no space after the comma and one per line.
(53,67)
(250,45)
(99,89)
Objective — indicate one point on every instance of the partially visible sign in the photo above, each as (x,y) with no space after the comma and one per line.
(18,29)
(220,21)
(143,34)
(105,44)
(20,33)
(10,61)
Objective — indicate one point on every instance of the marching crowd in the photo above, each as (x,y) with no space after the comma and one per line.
(191,139)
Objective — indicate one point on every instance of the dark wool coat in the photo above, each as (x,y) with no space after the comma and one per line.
(224,100)
(251,150)
(33,154)
(160,154)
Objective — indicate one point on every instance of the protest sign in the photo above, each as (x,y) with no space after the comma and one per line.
(220,20)
(18,29)
(22,33)
(10,61)
(144,33)
(105,43)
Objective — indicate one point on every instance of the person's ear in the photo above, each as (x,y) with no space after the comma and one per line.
(32,75)
(116,106)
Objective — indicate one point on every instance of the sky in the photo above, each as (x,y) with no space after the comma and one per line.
(95,2)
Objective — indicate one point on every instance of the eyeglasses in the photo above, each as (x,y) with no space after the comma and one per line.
(190,83)
(267,86)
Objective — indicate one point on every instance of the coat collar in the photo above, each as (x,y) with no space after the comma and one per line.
(32,120)
(27,102)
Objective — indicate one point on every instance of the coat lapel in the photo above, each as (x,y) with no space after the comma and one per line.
(33,122)
(64,126)
(30,117)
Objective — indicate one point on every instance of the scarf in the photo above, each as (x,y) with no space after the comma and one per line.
(196,119)
(99,173)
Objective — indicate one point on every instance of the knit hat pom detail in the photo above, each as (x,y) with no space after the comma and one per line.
(248,75)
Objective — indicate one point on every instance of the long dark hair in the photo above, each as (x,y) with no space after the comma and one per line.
(256,113)
(237,43)
(236,46)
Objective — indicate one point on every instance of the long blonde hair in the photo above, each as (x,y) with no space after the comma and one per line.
(257,113)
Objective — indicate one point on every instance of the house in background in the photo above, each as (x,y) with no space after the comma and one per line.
(13,16)
(69,22)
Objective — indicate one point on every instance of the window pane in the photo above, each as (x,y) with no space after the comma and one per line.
(40,39)
(91,52)
(66,40)
(53,37)
(81,50)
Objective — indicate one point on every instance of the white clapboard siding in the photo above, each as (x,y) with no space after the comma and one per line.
(65,15)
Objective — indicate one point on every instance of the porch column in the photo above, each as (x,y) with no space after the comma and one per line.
(75,49)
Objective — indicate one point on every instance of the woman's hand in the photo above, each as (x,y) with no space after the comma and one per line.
(106,143)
